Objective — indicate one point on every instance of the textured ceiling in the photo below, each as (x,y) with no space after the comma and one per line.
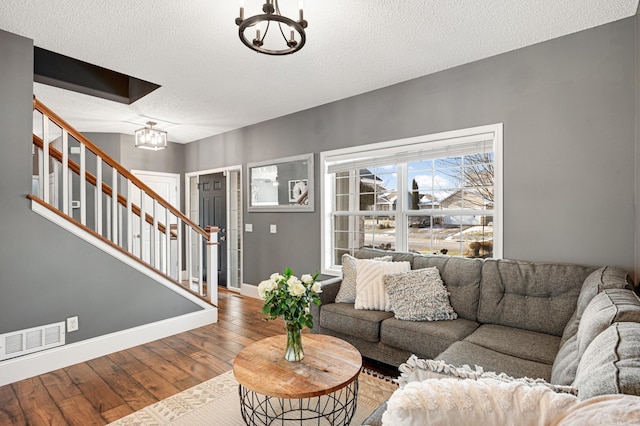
(211,83)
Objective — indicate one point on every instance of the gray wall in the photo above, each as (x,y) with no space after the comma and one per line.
(47,274)
(569,147)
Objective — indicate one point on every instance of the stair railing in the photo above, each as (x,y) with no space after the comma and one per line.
(80,182)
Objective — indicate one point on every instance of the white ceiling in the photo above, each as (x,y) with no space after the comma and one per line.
(211,83)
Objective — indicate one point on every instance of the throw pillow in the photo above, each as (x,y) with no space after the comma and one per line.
(347,290)
(416,370)
(419,295)
(477,402)
(370,291)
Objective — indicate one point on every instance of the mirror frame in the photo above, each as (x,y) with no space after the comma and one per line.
(283,207)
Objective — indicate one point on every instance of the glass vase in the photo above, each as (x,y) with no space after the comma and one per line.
(294,343)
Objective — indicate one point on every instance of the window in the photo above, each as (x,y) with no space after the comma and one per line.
(431,194)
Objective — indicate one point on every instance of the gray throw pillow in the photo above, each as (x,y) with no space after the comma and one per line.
(347,290)
(419,295)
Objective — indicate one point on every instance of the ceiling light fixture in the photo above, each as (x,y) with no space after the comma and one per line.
(150,138)
(291,35)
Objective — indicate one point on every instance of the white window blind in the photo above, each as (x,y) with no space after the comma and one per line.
(466,145)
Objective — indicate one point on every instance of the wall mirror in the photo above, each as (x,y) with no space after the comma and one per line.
(285,184)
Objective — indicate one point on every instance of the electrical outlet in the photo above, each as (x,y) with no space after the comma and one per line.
(273,229)
(72,324)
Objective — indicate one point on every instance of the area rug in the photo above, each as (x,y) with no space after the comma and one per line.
(216,402)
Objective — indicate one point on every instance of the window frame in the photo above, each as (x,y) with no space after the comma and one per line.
(397,147)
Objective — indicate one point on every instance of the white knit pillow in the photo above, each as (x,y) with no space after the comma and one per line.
(370,291)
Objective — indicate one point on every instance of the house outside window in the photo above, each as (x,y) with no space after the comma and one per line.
(431,194)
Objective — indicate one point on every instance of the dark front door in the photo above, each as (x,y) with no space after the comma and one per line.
(212,191)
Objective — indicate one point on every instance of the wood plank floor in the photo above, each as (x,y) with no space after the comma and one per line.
(105,389)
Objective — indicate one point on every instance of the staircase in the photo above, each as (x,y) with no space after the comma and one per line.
(78,186)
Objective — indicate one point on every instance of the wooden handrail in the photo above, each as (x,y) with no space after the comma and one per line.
(115,165)
(115,246)
(93,180)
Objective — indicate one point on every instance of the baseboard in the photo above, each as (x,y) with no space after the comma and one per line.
(13,370)
(250,291)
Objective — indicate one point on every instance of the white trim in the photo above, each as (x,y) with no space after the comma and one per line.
(398,146)
(98,243)
(249,290)
(31,365)
(498,194)
(187,209)
(453,134)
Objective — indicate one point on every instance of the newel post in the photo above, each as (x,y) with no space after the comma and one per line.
(212,264)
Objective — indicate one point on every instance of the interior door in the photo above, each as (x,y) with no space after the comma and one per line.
(212,193)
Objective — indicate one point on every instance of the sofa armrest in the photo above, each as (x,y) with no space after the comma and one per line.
(330,289)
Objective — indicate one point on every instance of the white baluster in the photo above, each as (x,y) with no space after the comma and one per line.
(142,223)
(83,184)
(66,182)
(98,194)
(179,250)
(200,264)
(46,197)
(114,206)
(167,247)
(130,228)
(189,256)
(155,234)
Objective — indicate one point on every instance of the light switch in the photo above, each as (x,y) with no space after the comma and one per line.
(248,227)
(273,228)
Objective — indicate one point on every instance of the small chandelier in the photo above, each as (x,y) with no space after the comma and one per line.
(150,138)
(291,35)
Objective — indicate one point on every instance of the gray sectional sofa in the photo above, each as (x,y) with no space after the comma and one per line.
(526,319)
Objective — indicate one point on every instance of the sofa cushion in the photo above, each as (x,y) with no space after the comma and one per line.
(419,295)
(424,338)
(344,318)
(396,256)
(347,291)
(611,363)
(608,307)
(565,365)
(533,296)
(519,343)
(601,279)
(417,370)
(370,291)
(461,276)
(461,353)
(477,402)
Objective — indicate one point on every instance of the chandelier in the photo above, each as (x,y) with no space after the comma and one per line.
(287,37)
(150,138)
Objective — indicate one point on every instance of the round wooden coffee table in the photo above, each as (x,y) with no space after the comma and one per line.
(323,386)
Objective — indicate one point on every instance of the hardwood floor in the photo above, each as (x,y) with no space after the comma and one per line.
(105,389)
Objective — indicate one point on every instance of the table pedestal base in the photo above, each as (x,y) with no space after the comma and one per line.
(336,408)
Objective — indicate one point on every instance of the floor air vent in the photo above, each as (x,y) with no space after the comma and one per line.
(36,339)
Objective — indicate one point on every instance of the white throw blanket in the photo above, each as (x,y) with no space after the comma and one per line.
(484,401)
